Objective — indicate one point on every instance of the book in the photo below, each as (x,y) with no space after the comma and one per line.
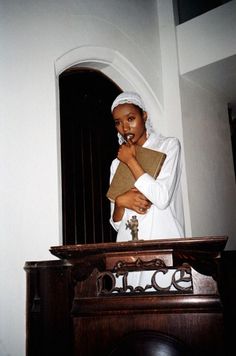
(151,161)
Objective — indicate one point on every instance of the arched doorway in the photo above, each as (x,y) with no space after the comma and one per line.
(88,145)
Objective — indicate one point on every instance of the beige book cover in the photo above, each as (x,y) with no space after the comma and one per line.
(123,180)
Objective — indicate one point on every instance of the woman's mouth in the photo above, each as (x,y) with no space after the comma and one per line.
(128,137)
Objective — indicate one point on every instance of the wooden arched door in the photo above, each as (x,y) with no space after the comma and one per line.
(88,145)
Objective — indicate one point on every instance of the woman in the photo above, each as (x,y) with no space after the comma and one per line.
(157,203)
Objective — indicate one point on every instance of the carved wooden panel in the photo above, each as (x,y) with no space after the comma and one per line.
(88,301)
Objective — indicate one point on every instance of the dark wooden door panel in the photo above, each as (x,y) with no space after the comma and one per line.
(88,145)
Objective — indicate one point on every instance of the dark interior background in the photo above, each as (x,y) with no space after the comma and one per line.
(88,145)
(189,9)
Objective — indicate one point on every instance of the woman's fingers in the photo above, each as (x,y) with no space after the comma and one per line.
(134,200)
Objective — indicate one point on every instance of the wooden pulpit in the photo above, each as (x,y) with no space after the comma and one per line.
(94,296)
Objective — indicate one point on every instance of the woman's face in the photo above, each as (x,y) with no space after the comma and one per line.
(130,120)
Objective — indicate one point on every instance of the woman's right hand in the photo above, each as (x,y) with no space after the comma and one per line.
(133,199)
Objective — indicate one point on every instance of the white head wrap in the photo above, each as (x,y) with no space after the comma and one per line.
(130,97)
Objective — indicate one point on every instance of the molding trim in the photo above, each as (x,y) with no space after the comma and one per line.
(115,66)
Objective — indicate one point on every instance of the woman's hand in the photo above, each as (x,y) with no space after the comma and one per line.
(127,155)
(133,200)
(126,152)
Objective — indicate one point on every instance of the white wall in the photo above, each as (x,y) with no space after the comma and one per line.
(206,51)
(208,153)
(207,38)
(34,35)
(171,91)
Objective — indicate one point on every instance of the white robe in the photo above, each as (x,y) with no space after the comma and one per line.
(165,218)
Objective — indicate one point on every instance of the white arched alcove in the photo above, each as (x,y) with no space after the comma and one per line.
(119,69)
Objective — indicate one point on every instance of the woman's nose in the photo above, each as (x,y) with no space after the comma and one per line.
(126,126)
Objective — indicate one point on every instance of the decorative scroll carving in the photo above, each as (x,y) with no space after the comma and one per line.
(205,262)
(180,281)
(139,265)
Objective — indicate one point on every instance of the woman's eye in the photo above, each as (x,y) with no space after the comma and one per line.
(131,118)
(117,122)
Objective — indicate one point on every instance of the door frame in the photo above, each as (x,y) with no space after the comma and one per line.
(120,70)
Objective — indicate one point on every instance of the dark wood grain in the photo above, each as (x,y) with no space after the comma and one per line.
(67,314)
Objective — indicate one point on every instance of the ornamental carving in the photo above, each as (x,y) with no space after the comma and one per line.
(154,275)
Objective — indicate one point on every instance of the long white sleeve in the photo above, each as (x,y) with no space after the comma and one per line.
(160,191)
